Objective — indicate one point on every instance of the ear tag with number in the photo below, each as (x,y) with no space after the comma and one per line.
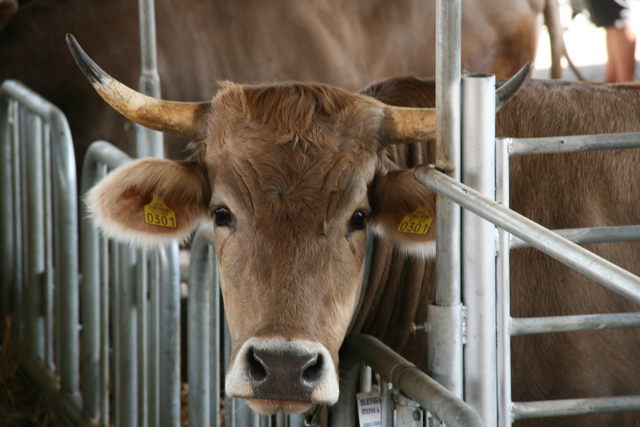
(158,213)
(417,222)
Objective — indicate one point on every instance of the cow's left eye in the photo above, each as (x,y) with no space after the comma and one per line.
(358,220)
(222,216)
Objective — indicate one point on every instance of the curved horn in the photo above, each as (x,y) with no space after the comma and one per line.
(404,125)
(180,118)
(505,92)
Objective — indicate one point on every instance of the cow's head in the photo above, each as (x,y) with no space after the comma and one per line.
(291,176)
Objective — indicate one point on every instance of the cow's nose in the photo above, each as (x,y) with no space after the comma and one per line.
(284,375)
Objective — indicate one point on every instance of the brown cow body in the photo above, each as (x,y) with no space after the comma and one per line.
(289,173)
(339,42)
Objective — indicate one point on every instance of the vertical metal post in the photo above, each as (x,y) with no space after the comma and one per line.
(149,143)
(91,307)
(66,246)
(49,282)
(170,336)
(479,247)
(105,327)
(127,336)
(199,329)
(215,351)
(154,340)
(505,416)
(18,214)
(143,337)
(7,249)
(35,232)
(445,316)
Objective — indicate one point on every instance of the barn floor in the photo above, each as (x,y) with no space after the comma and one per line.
(21,405)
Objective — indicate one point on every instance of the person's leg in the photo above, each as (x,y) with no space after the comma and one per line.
(621,47)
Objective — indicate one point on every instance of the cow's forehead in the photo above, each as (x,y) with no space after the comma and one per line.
(307,114)
(299,147)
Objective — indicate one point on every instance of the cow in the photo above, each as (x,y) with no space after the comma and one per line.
(292,175)
(343,43)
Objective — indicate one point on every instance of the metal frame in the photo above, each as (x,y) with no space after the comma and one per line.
(43,169)
(560,248)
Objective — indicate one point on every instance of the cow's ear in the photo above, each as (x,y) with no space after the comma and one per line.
(150,202)
(403,210)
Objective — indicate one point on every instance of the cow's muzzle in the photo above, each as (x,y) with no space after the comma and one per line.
(275,374)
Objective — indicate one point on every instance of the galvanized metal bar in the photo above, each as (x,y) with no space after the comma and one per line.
(155,374)
(115,314)
(479,247)
(557,408)
(95,344)
(105,327)
(365,379)
(625,233)
(49,270)
(584,322)
(503,292)
(386,404)
(578,258)
(142,289)
(169,335)
(7,251)
(66,194)
(199,328)
(566,144)
(215,350)
(19,236)
(149,143)
(34,214)
(414,383)
(127,375)
(447,367)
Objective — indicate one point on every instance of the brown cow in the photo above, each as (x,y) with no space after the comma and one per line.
(344,43)
(292,175)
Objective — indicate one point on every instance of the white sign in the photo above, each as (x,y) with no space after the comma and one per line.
(368,409)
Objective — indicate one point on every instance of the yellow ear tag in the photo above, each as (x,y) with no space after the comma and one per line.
(158,213)
(417,222)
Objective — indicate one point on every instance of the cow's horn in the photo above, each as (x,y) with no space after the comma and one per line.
(505,92)
(180,118)
(404,125)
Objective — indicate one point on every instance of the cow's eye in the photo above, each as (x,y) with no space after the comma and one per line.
(358,220)
(222,216)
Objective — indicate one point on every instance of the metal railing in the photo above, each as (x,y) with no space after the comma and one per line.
(136,295)
(566,251)
(39,232)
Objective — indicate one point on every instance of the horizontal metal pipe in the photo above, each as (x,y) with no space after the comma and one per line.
(557,408)
(413,382)
(542,325)
(567,144)
(576,257)
(625,233)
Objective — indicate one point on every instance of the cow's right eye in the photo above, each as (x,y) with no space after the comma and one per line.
(222,216)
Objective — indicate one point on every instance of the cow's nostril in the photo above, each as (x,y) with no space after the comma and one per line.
(257,371)
(312,370)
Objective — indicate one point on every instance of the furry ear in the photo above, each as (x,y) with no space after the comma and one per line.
(403,210)
(150,202)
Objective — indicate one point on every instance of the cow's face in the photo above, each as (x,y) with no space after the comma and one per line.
(291,177)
